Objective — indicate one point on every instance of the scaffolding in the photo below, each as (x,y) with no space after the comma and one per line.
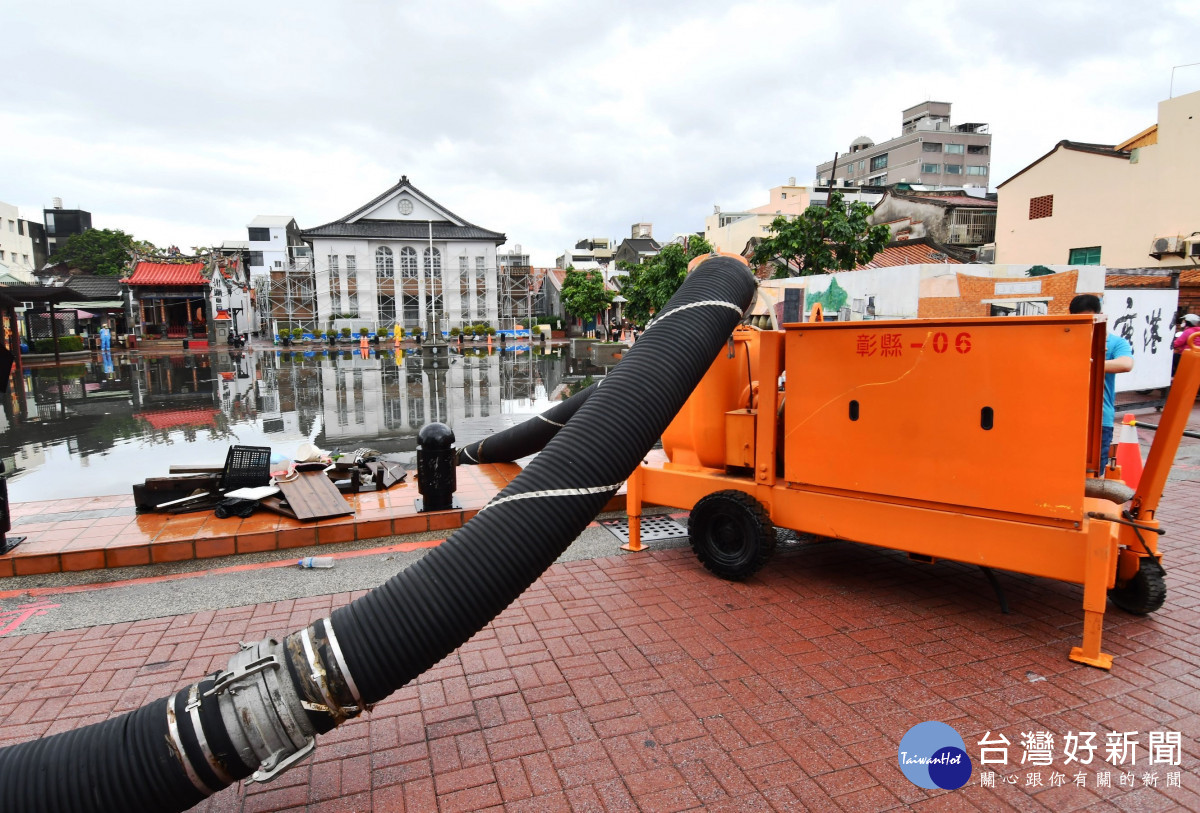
(290,298)
(519,294)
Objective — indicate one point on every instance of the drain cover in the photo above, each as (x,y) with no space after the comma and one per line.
(654,528)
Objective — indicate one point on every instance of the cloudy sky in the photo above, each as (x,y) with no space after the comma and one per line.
(548,121)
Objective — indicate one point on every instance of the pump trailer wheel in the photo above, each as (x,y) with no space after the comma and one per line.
(1145,592)
(731,534)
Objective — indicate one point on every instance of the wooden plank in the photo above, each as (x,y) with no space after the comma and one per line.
(312,495)
(387,474)
(196,468)
(277,505)
(191,482)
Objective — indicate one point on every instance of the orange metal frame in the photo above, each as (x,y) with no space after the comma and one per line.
(864,481)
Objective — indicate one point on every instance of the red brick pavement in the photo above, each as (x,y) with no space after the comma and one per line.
(642,682)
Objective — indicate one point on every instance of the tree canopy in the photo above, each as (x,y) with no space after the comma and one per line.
(104,252)
(823,239)
(584,294)
(652,282)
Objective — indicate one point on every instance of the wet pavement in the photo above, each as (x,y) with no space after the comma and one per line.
(640,681)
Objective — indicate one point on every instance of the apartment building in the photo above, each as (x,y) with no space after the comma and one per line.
(930,150)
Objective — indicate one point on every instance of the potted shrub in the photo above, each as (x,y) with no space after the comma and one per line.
(454,332)
(345,334)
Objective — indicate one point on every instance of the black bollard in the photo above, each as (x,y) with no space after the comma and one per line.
(7,543)
(436,476)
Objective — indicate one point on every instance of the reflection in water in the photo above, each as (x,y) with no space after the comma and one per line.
(98,427)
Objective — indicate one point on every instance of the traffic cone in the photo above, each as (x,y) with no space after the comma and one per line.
(1129,452)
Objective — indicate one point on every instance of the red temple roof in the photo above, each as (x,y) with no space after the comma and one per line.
(179,274)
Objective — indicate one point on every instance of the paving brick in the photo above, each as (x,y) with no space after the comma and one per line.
(789,691)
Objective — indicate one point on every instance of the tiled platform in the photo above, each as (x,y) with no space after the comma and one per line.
(641,682)
(97,532)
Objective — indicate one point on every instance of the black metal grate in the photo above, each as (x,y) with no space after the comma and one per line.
(246,467)
(654,529)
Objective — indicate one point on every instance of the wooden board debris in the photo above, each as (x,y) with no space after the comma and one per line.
(313,496)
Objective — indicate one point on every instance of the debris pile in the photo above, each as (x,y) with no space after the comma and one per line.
(308,487)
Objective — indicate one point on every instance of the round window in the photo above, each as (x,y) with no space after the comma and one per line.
(405,206)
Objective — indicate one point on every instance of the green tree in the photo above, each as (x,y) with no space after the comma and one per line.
(652,282)
(104,252)
(584,294)
(1038,271)
(823,239)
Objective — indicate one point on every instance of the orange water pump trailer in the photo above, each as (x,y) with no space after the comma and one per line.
(906,435)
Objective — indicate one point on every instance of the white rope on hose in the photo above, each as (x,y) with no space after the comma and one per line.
(554,492)
(703,303)
(463,450)
(552,423)
(583,492)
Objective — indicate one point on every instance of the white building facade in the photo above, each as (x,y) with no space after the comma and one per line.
(274,243)
(402,258)
(16,244)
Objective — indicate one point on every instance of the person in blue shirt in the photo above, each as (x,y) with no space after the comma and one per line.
(105,337)
(1118,358)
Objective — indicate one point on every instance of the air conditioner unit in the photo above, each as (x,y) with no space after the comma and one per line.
(1167,245)
(1193,247)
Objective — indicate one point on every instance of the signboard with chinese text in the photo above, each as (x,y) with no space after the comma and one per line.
(1143,318)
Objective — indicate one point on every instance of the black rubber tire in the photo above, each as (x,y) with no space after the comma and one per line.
(731,534)
(1144,593)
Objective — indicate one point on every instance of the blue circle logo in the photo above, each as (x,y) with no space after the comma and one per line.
(932,755)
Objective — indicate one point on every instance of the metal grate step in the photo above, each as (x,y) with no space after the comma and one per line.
(654,528)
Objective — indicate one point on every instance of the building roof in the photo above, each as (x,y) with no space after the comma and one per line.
(945,200)
(913,252)
(178,418)
(1135,281)
(640,244)
(351,226)
(266,221)
(40,293)
(402,230)
(1107,150)
(1143,139)
(93,287)
(178,274)
(1155,277)
(556,277)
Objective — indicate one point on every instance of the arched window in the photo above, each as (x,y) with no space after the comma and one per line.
(384,265)
(437,263)
(408,262)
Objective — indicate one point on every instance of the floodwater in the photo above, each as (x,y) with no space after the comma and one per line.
(98,427)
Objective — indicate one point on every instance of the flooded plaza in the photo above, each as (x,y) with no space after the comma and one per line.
(97,427)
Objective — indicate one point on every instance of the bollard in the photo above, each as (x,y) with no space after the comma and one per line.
(7,543)
(437,477)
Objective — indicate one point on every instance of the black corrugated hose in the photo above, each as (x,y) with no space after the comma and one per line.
(525,438)
(317,679)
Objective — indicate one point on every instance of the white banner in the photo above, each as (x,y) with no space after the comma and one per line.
(1144,319)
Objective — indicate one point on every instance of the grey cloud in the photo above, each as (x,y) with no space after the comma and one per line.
(595,115)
